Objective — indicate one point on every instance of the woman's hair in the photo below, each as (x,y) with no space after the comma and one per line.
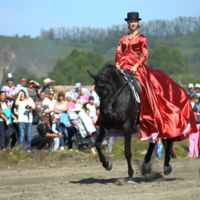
(61,94)
(10,79)
(28,81)
(23,92)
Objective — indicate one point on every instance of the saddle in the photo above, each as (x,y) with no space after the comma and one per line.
(132,83)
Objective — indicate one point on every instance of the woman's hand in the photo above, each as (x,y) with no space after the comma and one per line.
(117,65)
(134,68)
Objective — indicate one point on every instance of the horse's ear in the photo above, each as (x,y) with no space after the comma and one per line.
(92,75)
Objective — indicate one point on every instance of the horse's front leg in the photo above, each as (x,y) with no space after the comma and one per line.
(167,143)
(98,144)
(127,151)
(146,167)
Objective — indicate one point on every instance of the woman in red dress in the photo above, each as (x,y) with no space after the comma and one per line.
(165,109)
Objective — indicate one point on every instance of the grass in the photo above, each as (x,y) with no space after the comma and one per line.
(46,157)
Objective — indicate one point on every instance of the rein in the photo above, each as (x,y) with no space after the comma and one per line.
(114,98)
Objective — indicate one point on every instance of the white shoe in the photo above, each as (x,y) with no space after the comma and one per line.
(62,148)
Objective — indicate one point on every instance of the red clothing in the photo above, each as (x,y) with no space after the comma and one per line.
(165,109)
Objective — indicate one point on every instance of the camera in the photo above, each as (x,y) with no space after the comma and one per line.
(28,107)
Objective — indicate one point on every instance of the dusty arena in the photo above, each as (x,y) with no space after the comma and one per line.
(73,176)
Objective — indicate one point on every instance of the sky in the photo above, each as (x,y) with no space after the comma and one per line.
(28,17)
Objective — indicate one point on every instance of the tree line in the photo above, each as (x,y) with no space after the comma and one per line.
(177,27)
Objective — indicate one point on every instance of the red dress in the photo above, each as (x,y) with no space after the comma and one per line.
(165,109)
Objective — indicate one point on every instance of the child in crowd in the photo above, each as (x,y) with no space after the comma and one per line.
(55,128)
(83,97)
(70,98)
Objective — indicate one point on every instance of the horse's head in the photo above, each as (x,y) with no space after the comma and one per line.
(106,81)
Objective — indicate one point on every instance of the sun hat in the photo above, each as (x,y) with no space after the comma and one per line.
(77,85)
(84,90)
(69,94)
(197,85)
(77,107)
(190,85)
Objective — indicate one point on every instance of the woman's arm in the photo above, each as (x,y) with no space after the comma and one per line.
(55,109)
(144,51)
(118,54)
(17,100)
(66,107)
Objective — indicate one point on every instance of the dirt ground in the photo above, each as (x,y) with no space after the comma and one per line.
(74,177)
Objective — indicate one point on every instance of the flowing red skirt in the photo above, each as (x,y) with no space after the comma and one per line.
(165,110)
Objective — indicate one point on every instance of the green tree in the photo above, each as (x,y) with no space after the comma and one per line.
(169,61)
(74,67)
(22,72)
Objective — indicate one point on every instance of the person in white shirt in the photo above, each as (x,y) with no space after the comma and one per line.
(48,109)
(25,118)
(51,99)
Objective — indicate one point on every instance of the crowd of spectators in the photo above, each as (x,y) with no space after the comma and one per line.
(194,139)
(33,116)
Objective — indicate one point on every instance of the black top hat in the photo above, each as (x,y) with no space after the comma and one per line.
(133,15)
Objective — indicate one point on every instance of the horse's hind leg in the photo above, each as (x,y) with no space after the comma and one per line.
(127,152)
(167,147)
(146,167)
(106,163)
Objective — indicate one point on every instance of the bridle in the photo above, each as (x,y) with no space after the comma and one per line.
(113,98)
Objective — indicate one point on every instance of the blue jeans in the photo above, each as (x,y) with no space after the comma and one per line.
(63,130)
(4,135)
(25,129)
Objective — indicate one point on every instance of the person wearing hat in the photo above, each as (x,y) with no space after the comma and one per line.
(197,89)
(191,92)
(9,89)
(165,109)
(70,98)
(77,90)
(85,130)
(47,85)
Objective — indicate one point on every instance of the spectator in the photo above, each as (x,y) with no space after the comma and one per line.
(55,129)
(191,92)
(14,126)
(33,87)
(86,129)
(78,89)
(25,118)
(61,108)
(47,106)
(47,85)
(4,122)
(9,89)
(83,97)
(92,108)
(197,89)
(45,134)
(51,99)
(70,98)
(95,95)
(193,145)
(22,86)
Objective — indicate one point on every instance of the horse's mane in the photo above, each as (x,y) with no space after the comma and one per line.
(107,66)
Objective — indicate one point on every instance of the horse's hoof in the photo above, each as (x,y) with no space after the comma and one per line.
(130,180)
(146,168)
(167,169)
(109,166)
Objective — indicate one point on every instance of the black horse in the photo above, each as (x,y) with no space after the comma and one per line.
(118,107)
